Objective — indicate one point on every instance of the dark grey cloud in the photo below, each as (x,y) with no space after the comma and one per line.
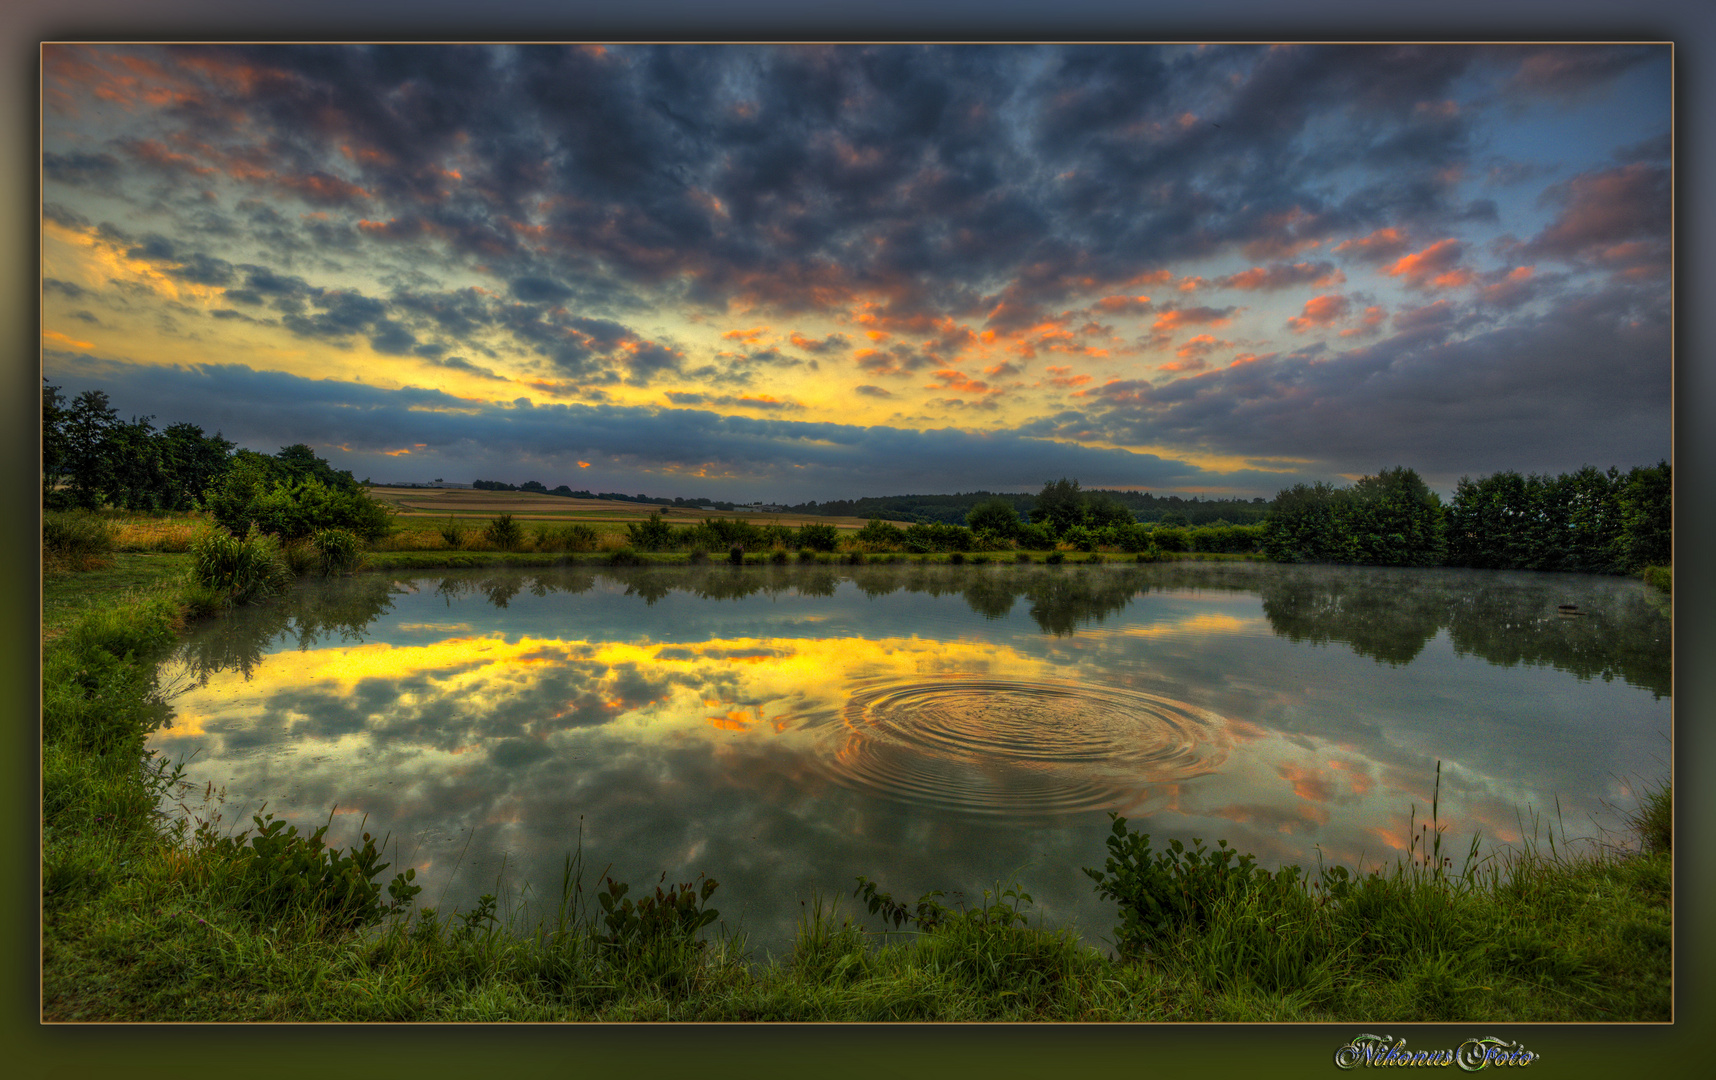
(1585,381)
(80,169)
(644,449)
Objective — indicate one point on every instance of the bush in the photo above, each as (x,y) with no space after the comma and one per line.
(279,875)
(1171,539)
(1161,893)
(338,551)
(453,534)
(652,534)
(504,533)
(818,536)
(242,570)
(878,535)
(292,510)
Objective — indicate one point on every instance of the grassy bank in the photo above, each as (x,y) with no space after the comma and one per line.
(171,918)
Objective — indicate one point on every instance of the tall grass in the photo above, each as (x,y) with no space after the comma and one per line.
(241,570)
(73,541)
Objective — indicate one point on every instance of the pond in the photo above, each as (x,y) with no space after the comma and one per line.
(784,729)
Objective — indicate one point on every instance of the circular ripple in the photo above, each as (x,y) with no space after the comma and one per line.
(1026,748)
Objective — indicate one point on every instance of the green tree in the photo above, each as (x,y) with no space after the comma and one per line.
(1395,520)
(996,517)
(88,464)
(1060,506)
(1646,510)
(55,415)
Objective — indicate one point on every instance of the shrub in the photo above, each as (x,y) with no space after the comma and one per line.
(878,535)
(1171,539)
(1160,893)
(243,570)
(778,555)
(453,534)
(338,551)
(503,532)
(625,557)
(736,555)
(1054,557)
(279,874)
(652,534)
(818,536)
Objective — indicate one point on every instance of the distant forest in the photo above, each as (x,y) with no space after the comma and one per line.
(952,509)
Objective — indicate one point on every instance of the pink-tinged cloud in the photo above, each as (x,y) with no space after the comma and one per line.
(1320,311)
(583,464)
(1002,370)
(1509,289)
(1284,236)
(959,382)
(1439,315)
(1201,345)
(1123,305)
(1436,267)
(1307,783)
(746,336)
(1378,246)
(1184,364)
(1174,318)
(1064,378)
(1284,275)
(1369,323)
(1618,218)
(1190,284)
(150,152)
(1360,781)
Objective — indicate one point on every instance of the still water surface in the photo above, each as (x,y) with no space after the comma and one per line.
(784,729)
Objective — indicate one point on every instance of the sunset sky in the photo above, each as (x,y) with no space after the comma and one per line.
(818,272)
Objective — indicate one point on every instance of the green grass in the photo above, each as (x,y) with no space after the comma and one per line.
(145,919)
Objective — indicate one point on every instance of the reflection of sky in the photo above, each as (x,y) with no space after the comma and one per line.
(693,735)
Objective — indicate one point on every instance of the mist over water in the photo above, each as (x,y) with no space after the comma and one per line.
(784,729)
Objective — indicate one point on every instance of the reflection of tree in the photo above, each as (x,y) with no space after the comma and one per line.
(1627,639)
(237,641)
(1061,600)
(1504,618)
(1376,615)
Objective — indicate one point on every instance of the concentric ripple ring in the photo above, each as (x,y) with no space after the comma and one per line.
(1014,747)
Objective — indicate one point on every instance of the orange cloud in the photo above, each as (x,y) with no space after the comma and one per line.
(1063,377)
(63,339)
(583,464)
(746,336)
(1199,346)
(1319,311)
(1369,322)
(1115,305)
(1379,245)
(1283,275)
(1435,267)
(1177,317)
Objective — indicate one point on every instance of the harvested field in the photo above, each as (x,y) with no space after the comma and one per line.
(532,506)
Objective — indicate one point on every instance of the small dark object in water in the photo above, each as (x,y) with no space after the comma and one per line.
(1568,609)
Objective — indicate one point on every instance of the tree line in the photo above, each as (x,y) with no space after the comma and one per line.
(1587,521)
(91,458)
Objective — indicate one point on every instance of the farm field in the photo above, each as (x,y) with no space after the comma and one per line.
(532,506)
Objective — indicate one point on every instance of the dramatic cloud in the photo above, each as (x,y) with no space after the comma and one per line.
(865,238)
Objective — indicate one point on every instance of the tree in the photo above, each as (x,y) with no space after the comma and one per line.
(89,468)
(1059,506)
(995,516)
(1396,520)
(54,444)
(1646,510)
